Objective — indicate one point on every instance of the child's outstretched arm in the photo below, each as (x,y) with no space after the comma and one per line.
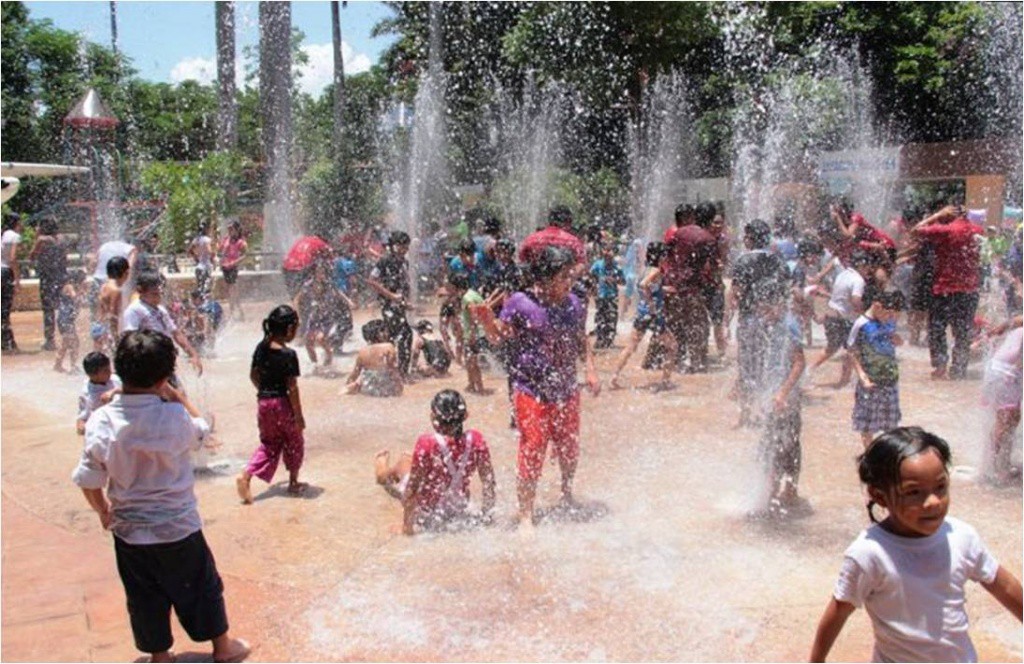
(829,626)
(1007,589)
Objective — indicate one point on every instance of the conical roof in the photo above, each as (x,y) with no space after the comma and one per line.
(91,112)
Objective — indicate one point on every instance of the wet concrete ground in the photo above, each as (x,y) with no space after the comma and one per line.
(670,568)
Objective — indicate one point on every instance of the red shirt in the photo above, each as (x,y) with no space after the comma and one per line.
(866,233)
(957,257)
(429,462)
(690,249)
(551,236)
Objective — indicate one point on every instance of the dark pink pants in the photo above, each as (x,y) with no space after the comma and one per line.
(278,437)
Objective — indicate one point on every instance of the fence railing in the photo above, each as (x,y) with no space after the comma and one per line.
(171,263)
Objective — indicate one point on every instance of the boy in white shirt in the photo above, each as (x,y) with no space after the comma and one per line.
(139,448)
(844,307)
(100,387)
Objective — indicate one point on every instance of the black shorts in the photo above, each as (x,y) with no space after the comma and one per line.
(178,574)
(714,302)
(230,274)
(837,330)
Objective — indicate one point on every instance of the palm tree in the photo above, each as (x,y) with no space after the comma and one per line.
(227,107)
(339,79)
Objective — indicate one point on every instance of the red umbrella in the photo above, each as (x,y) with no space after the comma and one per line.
(305,252)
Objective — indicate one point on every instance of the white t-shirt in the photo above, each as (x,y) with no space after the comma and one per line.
(8,245)
(107,251)
(142,316)
(90,397)
(913,590)
(848,285)
(203,247)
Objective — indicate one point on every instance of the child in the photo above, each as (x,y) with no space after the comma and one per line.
(208,316)
(650,315)
(100,387)
(435,355)
(466,263)
(545,337)
(784,362)
(317,303)
(138,447)
(845,305)
(147,313)
(608,276)
(1001,392)
(376,370)
(232,252)
(106,328)
(68,301)
(433,484)
(909,571)
(201,251)
(473,342)
(872,347)
(274,373)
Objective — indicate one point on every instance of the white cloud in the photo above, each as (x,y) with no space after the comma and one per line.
(318,73)
(202,70)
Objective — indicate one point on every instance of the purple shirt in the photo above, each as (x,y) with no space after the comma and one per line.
(547,343)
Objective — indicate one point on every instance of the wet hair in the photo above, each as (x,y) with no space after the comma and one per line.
(560,216)
(758,232)
(505,244)
(809,246)
(860,258)
(12,220)
(879,465)
(705,214)
(94,362)
(551,261)
(203,228)
(655,253)
(466,246)
(278,321)
(148,279)
(844,205)
(448,409)
(491,225)
(423,325)
(458,281)
(398,239)
(117,267)
(75,276)
(892,300)
(684,211)
(144,358)
(375,331)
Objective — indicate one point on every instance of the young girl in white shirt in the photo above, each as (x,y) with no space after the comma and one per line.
(909,570)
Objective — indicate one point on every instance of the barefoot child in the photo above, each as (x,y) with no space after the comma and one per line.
(473,342)
(433,484)
(784,363)
(100,387)
(274,373)
(105,329)
(650,315)
(909,570)
(139,448)
(436,358)
(872,346)
(69,300)
(376,370)
(1001,392)
(544,330)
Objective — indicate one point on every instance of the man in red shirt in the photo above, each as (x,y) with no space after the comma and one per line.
(556,234)
(691,248)
(954,288)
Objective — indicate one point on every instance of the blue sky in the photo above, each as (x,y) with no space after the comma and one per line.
(173,41)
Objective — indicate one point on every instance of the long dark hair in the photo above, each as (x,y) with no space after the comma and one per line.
(448,411)
(879,465)
(276,324)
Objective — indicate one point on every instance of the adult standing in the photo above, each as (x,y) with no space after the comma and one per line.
(51,266)
(556,234)
(390,280)
(10,277)
(690,248)
(954,289)
(233,249)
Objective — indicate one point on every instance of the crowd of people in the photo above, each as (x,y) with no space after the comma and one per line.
(520,310)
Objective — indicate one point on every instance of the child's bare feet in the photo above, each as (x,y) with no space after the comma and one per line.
(244,490)
(226,649)
(297,488)
(165,656)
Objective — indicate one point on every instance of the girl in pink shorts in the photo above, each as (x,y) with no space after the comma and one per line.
(274,373)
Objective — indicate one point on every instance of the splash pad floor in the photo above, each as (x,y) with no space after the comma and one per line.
(669,568)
